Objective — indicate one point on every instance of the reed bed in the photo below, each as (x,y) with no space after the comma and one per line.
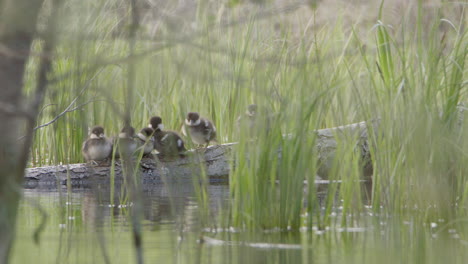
(403,65)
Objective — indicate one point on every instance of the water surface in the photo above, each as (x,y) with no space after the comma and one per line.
(87,226)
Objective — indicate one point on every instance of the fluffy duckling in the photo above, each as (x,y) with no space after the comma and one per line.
(125,144)
(145,140)
(97,147)
(167,143)
(254,121)
(200,129)
(248,119)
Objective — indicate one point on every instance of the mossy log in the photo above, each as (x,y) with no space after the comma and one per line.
(214,162)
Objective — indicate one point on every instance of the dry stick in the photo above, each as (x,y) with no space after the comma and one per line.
(64,112)
(67,110)
(86,103)
(44,108)
(87,85)
(130,171)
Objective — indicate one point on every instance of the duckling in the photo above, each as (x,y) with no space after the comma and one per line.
(145,140)
(125,144)
(200,129)
(97,147)
(248,119)
(167,143)
(254,121)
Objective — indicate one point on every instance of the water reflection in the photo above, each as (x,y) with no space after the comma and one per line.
(92,226)
(162,204)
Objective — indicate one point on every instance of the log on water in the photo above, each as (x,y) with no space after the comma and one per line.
(214,162)
(328,139)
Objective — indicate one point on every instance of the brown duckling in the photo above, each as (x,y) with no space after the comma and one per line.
(125,144)
(97,147)
(201,130)
(167,143)
(145,140)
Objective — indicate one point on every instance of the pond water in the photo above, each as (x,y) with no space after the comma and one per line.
(85,226)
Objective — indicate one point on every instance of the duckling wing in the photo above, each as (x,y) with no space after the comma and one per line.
(169,139)
(210,130)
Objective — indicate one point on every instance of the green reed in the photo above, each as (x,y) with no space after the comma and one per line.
(303,75)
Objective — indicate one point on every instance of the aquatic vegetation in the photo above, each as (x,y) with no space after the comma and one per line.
(304,69)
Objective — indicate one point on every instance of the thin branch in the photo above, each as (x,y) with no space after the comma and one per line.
(44,107)
(64,112)
(87,85)
(68,109)
(86,103)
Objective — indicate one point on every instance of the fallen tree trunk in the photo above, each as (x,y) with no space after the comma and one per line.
(214,162)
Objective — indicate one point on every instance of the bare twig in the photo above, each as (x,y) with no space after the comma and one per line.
(86,103)
(67,111)
(44,107)
(69,107)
